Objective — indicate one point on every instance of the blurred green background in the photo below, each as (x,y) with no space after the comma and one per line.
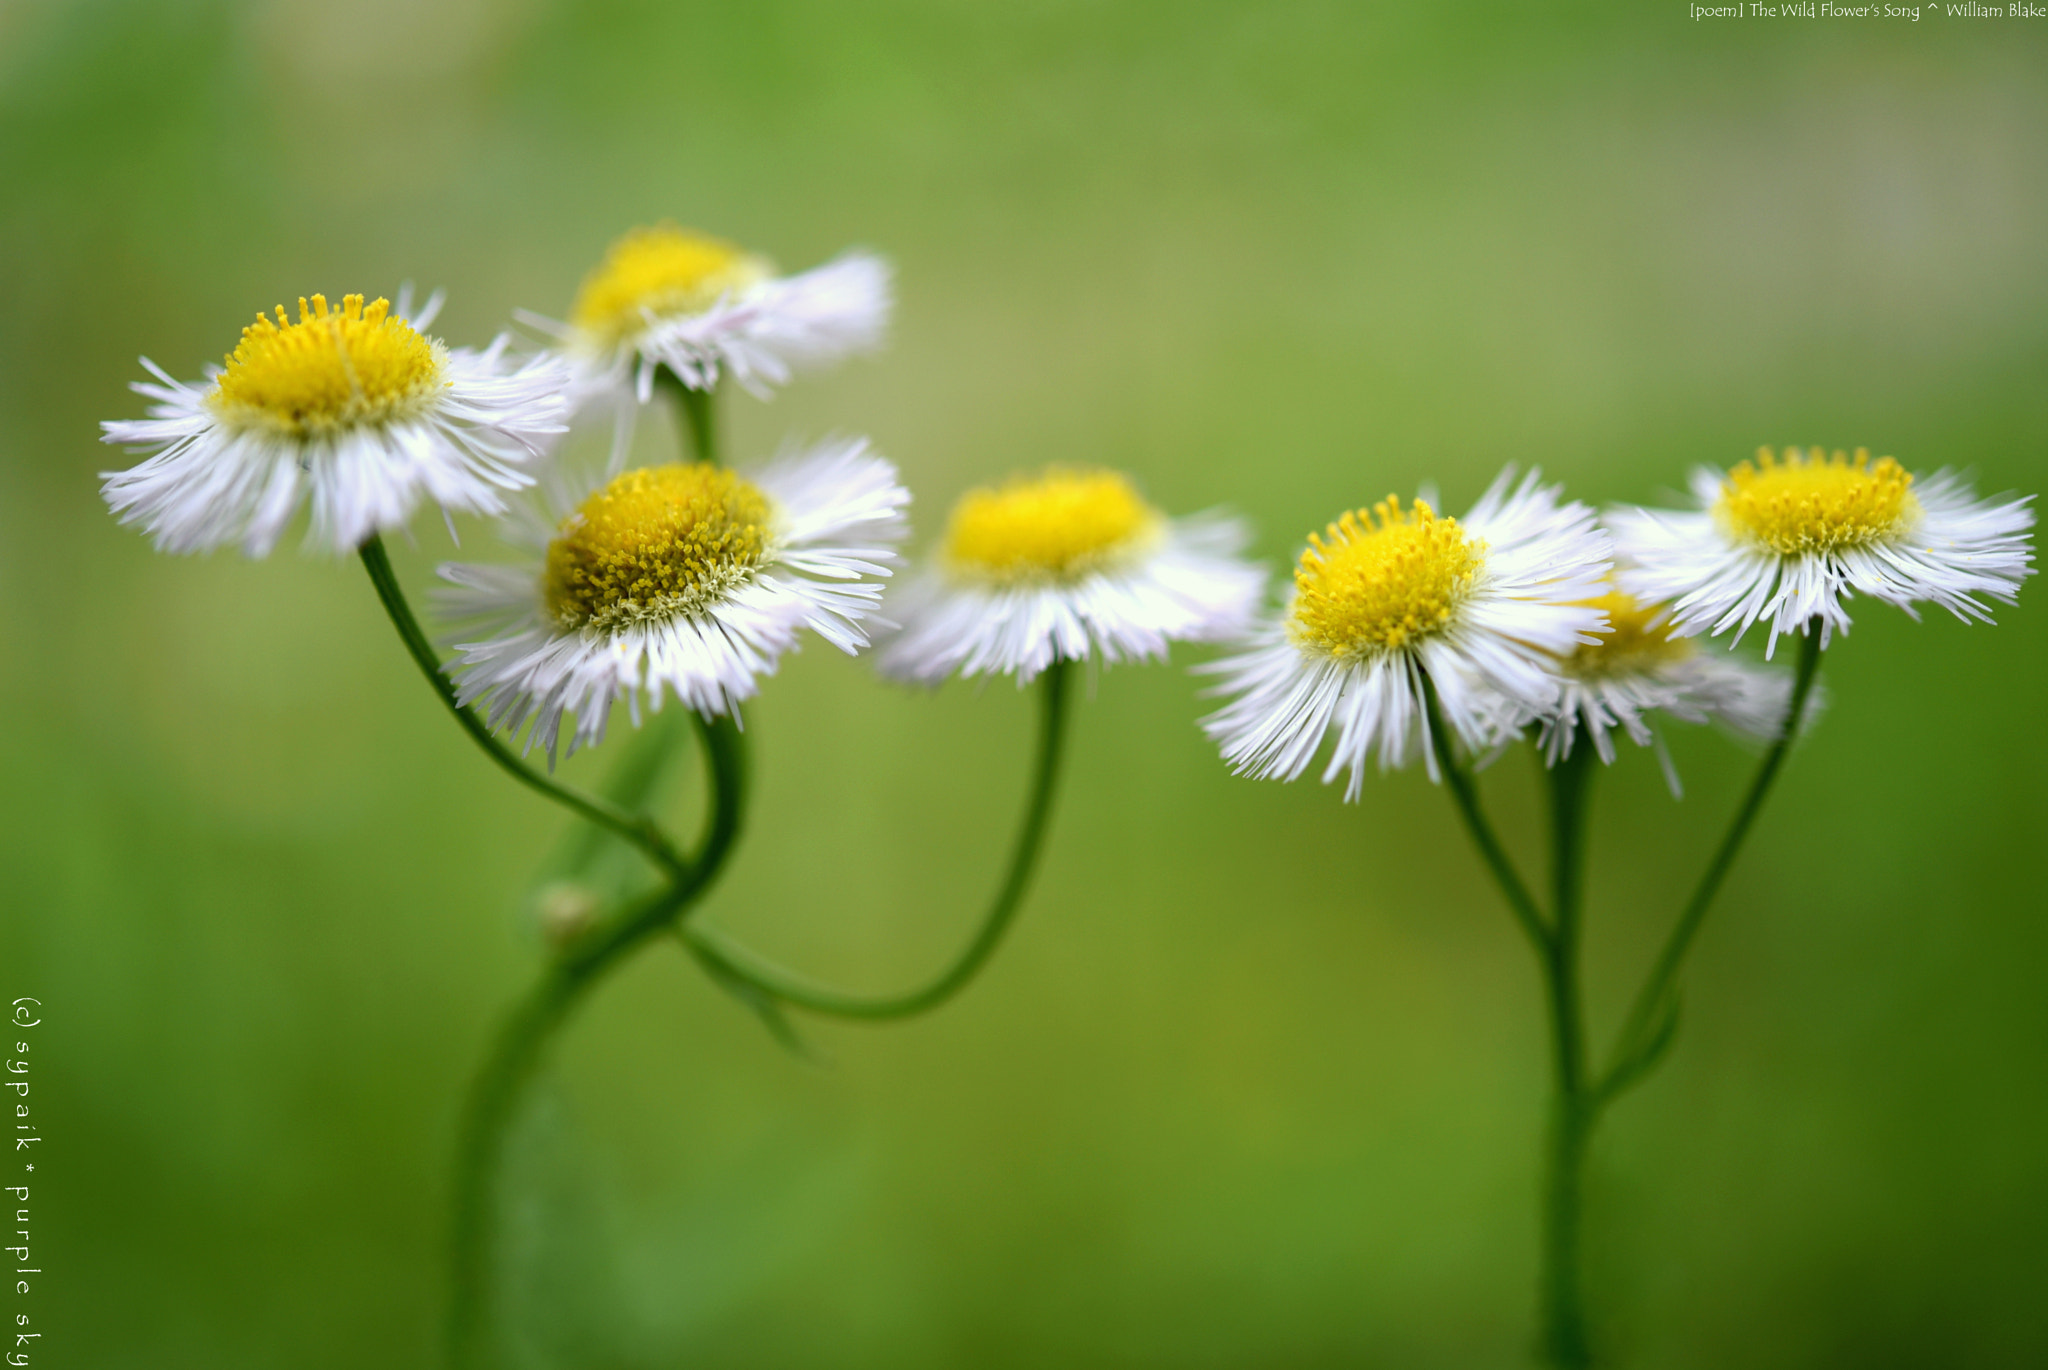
(1259,1079)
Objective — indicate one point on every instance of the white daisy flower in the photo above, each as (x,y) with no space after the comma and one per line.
(1067,564)
(688,578)
(666,296)
(1639,668)
(356,407)
(1790,539)
(1484,606)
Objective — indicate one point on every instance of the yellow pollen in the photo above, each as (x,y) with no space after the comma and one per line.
(1056,526)
(1382,579)
(1637,638)
(1810,502)
(332,369)
(656,543)
(660,270)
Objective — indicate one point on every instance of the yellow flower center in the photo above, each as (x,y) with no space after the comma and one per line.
(660,270)
(1810,502)
(332,369)
(1366,587)
(1057,526)
(656,543)
(1638,638)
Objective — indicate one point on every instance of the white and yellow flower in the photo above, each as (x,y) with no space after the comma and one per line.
(1786,540)
(688,579)
(1064,565)
(1484,607)
(356,408)
(1637,669)
(703,307)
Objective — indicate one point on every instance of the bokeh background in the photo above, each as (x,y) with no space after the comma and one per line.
(1259,1078)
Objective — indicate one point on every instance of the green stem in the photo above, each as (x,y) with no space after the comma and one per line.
(1564,1338)
(495,1097)
(1465,794)
(1055,689)
(630,785)
(1640,1039)
(643,833)
(1556,944)
(698,412)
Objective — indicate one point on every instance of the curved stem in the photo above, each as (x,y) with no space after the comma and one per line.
(1465,793)
(630,786)
(494,1099)
(1573,1114)
(1055,688)
(641,832)
(492,1105)
(1639,1040)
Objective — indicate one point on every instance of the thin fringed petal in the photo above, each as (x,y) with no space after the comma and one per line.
(837,511)
(207,484)
(1958,549)
(795,323)
(1494,665)
(1746,699)
(1192,586)
(762,336)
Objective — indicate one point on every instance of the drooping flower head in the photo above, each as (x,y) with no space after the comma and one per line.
(356,406)
(687,578)
(1788,539)
(1638,668)
(702,307)
(1064,565)
(1484,606)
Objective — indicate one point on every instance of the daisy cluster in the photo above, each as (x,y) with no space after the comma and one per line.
(1533,611)
(687,579)
(692,580)
(635,584)
(1406,631)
